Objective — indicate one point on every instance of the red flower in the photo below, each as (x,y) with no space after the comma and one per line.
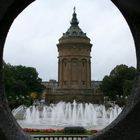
(42,130)
(60,130)
(93,131)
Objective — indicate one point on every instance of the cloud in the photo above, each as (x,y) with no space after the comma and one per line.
(34,34)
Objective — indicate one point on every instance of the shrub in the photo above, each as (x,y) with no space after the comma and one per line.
(74,130)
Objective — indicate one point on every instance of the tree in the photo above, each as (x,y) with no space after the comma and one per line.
(21,80)
(119,82)
(127,86)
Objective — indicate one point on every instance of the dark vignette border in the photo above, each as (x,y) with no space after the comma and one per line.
(125,127)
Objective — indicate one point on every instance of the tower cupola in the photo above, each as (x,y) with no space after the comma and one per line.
(74,30)
(74,21)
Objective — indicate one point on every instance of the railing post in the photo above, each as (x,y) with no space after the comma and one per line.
(59,137)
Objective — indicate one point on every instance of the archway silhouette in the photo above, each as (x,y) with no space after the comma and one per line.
(126,126)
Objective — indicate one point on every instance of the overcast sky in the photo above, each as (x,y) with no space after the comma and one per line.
(35,32)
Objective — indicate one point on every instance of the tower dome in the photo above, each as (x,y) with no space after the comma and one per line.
(74,31)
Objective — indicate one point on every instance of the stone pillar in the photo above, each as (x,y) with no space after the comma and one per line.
(80,74)
(60,73)
(69,72)
(89,73)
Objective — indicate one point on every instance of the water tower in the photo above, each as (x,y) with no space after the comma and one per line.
(74,60)
(74,66)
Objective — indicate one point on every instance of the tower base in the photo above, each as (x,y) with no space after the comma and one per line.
(69,95)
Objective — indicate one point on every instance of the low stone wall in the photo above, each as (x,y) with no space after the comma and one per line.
(92,98)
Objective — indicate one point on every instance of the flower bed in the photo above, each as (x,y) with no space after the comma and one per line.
(36,131)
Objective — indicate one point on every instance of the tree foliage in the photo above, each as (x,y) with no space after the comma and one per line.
(21,80)
(119,82)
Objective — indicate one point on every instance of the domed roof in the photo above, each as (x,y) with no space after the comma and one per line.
(74,30)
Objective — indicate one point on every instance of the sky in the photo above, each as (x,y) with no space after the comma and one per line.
(33,36)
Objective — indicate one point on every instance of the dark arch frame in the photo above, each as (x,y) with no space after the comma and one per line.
(125,127)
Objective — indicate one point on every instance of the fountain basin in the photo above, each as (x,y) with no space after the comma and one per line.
(60,115)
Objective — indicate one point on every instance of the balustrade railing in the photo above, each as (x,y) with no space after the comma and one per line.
(59,137)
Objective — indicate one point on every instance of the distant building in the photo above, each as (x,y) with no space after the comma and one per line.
(52,85)
(74,68)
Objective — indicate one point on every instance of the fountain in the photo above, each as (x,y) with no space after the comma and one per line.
(90,116)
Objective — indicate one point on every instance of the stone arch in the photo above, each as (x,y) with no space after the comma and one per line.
(64,61)
(74,71)
(65,71)
(84,71)
(84,61)
(126,126)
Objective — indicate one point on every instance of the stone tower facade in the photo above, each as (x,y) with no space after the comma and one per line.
(74,68)
(74,60)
